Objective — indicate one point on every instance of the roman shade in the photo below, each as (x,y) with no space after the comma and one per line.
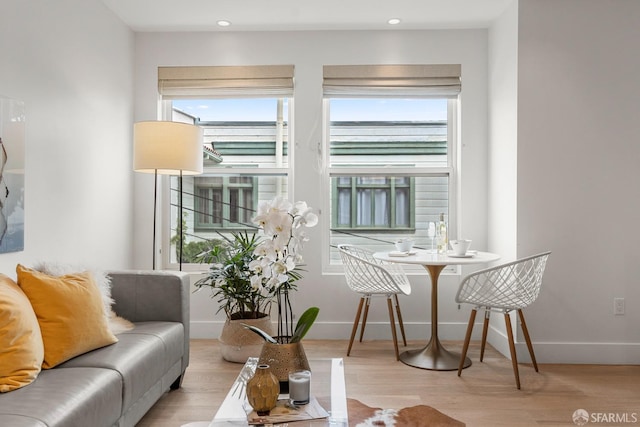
(273,81)
(431,80)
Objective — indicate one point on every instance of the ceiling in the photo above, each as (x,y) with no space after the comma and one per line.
(296,15)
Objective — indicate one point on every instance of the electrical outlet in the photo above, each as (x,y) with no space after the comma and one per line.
(618,306)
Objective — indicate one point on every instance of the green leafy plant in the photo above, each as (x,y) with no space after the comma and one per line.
(229,277)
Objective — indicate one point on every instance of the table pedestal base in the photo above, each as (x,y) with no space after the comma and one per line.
(435,357)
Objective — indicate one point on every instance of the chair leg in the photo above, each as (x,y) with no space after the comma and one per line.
(485,328)
(393,327)
(355,325)
(512,349)
(366,314)
(467,338)
(404,337)
(525,331)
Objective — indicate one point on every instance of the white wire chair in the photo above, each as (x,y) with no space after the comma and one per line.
(371,277)
(503,288)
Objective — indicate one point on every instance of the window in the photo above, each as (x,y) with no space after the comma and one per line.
(390,144)
(372,202)
(224,202)
(245,116)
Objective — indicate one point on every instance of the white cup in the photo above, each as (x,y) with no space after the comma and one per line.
(299,387)
(404,245)
(460,247)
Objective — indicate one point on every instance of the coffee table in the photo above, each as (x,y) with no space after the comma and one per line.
(327,386)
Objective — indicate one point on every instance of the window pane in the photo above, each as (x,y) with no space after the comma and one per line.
(222,204)
(344,207)
(410,132)
(377,200)
(243,131)
(247,202)
(381,208)
(217,206)
(363,208)
(240,180)
(368,180)
(234,206)
(240,134)
(403,208)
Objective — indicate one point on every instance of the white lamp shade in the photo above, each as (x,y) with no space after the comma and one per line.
(167,147)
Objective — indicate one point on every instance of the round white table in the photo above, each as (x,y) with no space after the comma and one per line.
(434,356)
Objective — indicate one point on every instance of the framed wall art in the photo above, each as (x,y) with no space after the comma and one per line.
(12,136)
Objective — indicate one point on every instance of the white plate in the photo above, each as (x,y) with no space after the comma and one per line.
(467,255)
(398,253)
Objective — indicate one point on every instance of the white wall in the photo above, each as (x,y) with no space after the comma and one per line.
(308,52)
(71,62)
(503,132)
(578,175)
(503,139)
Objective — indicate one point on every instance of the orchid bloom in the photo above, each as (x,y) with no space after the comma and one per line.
(284,224)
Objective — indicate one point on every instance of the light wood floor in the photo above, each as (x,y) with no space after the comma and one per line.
(485,394)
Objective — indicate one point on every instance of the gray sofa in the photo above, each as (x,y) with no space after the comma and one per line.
(115,385)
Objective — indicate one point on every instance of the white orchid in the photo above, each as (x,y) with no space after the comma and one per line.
(283,223)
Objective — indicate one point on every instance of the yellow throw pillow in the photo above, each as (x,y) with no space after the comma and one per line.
(21,349)
(70,313)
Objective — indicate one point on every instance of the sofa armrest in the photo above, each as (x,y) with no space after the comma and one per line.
(147,295)
(150,295)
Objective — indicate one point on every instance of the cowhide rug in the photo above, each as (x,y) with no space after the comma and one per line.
(361,415)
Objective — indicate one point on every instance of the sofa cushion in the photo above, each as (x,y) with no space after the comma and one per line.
(21,348)
(170,333)
(69,311)
(142,356)
(62,398)
(21,421)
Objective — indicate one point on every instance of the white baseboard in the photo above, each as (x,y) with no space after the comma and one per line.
(569,352)
(341,331)
(205,329)
(546,352)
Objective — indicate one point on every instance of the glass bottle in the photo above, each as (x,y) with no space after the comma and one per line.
(263,390)
(441,232)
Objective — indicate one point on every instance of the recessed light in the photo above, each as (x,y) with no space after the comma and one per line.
(393,21)
(223,23)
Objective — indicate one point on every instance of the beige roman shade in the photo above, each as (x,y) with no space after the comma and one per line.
(432,80)
(225,81)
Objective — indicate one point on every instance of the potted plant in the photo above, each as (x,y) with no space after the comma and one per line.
(229,279)
(276,271)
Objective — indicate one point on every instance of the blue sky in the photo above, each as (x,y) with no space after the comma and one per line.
(264,109)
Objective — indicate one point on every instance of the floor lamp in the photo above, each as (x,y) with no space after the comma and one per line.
(167,148)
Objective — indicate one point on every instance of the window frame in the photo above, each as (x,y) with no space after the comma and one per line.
(284,172)
(331,262)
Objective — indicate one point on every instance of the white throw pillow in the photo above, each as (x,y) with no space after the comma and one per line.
(116,323)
